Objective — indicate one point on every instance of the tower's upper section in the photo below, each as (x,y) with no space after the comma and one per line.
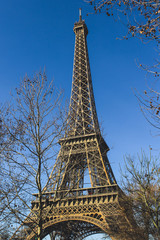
(80,25)
(82,117)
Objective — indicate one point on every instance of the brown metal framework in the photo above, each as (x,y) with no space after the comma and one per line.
(73,209)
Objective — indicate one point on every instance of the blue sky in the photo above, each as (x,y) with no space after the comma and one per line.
(36,33)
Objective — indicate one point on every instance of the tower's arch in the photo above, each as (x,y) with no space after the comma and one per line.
(77,227)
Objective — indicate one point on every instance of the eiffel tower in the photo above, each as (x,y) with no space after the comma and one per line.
(81,196)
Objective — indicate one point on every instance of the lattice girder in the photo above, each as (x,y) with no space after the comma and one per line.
(95,213)
(70,209)
(77,155)
(82,117)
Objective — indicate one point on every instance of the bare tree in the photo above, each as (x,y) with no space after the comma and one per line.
(33,123)
(142,17)
(142,20)
(150,105)
(5,187)
(4,235)
(141,183)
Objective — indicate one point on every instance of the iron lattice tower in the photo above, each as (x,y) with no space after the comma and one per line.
(72,209)
(83,147)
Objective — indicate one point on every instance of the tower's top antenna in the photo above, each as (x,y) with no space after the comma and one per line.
(80,14)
